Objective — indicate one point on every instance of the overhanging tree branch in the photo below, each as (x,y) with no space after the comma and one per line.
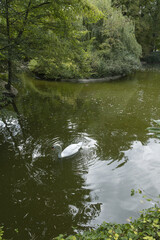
(40,5)
(24,21)
(26,13)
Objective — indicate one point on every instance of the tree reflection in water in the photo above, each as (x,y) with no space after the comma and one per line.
(41,195)
(44,196)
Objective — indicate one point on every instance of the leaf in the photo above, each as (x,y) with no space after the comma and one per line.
(156,220)
(158,233)
(140,191)
(149,200)
(16,230)
(157,121)
(132,192)
(144,196)
(154,129)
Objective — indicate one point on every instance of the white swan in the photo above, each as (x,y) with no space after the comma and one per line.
(68,151)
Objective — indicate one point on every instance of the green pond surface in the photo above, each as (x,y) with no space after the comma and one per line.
(42,196)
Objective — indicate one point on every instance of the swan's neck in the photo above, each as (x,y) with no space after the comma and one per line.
(59,155)
(59,152)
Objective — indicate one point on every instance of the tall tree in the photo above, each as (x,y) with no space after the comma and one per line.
(26,24)
(15,18)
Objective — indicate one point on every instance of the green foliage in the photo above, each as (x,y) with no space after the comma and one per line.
(115,49)
(146,15)
(155,130)
(63,55)
(139,191)
(132,192)
(106,47)
(45,30)
(67,39)
(16,230)
(1,233)
(147,226)
(62,59)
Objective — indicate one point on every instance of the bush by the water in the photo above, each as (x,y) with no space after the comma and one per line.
(146,227)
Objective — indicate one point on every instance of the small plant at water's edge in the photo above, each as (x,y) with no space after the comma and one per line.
(1,233)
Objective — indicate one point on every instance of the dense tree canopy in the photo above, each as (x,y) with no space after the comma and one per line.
(30,29)
(101,47)
(76,39)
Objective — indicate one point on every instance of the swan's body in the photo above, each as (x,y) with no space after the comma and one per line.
(68,151)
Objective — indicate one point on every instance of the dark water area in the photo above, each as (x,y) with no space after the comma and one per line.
(42,196)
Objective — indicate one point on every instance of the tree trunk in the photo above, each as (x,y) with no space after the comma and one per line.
(8,85)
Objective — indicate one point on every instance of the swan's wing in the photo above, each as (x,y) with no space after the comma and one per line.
(71,149)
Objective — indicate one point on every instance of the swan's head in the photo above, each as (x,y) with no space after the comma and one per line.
(57,147)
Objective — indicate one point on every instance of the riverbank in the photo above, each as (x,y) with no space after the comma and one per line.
(93,80)
(146,227)
(79,80)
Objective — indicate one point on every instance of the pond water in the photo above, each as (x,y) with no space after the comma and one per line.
(43,196)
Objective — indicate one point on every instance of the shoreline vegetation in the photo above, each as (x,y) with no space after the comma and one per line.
(82,80)
(93,80)
(6,95)
(146,227)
